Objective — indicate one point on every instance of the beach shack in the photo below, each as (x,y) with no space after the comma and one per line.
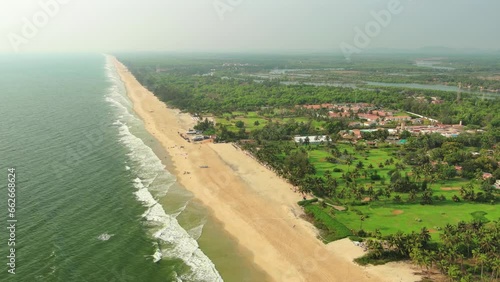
(198,138)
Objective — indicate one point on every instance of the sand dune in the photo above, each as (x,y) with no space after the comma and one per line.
(256,206)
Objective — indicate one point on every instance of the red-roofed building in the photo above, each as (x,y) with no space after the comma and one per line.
(335,115)
(318,107)
(381,113)
(487,175)
(357,133)
(369,117)
(398,118)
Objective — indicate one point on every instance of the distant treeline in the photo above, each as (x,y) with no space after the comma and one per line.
(211,94)
(215,83)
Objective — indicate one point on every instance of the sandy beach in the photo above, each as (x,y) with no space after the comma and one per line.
(255,206)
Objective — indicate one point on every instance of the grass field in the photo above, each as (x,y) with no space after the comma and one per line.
(250,118)
(373,156)
(386,215)
(390,217)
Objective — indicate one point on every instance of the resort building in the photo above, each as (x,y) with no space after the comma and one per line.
(312,139)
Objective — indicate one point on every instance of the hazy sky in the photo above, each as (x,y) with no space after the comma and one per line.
(245,25)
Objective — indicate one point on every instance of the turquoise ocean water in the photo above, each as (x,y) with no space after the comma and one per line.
(88,182)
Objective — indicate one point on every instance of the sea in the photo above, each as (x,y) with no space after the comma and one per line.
(92,196)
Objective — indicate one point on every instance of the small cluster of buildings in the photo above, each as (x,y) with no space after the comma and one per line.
(379,119)
(235,65)
(367,115)
(446,130)
(487,175)
(197,136)
(354,107)
(433,100)
(443,129)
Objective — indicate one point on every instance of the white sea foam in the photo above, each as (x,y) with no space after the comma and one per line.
(105,236)
(157,256)
(181,243)
(196,232)
(152,177)
(186,248)
(117,101)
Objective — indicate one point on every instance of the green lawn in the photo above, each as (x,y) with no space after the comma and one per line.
(250,118)
(448,188)
(249,122)
(390,217)
(373,156)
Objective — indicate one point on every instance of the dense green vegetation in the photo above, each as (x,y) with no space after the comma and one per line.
(204,85)
(407,199)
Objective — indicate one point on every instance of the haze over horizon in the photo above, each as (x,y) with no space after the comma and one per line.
(246,25)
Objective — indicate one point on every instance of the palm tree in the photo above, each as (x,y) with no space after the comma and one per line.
(429,258)
(485,243)
(417,256)
(481,259)
(387,192)
(360,165)
(370,191)
(453,272)
(424,236)
(495,268)
(375,247)
(357,194)
(349,162)
(468,239)
(416,171)
(412,196)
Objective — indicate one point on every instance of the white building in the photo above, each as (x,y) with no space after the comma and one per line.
(312,139)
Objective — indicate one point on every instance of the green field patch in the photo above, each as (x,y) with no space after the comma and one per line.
(385,214)
(249,119)
(431,216)
(331,228)
(480,215)
(319,154)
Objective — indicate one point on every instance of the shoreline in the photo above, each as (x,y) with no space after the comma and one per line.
(255,206)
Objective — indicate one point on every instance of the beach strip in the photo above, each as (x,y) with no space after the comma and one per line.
(256,206)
